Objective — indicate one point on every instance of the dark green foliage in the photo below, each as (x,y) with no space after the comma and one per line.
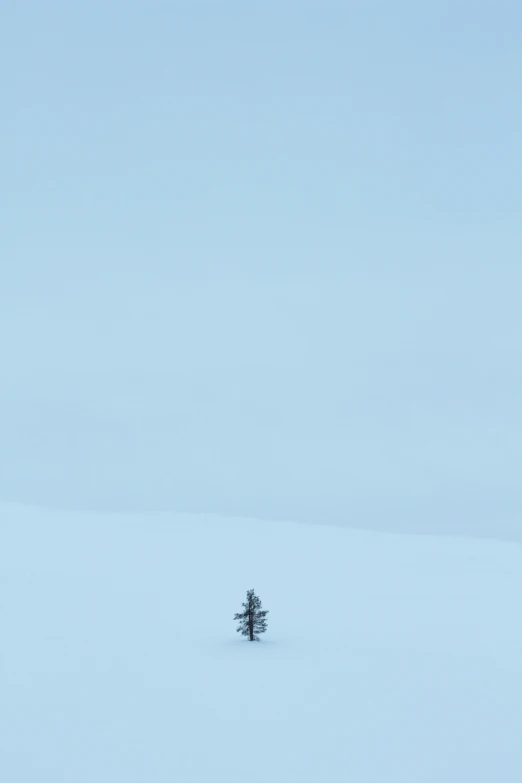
(252,620)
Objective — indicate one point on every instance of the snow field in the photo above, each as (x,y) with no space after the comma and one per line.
(387,658)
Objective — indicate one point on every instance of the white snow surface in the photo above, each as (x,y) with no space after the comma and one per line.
(388,658)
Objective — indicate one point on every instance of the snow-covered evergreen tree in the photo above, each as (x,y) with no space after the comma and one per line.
(252,619)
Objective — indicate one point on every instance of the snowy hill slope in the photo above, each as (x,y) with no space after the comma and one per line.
(387,658)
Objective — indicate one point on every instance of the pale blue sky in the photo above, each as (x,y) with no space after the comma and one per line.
(264,258)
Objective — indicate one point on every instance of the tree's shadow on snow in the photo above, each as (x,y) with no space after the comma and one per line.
(226,646)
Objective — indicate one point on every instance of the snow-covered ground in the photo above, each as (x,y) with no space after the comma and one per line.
(388,659)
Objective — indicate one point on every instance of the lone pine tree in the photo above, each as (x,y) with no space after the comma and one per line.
(252,619)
